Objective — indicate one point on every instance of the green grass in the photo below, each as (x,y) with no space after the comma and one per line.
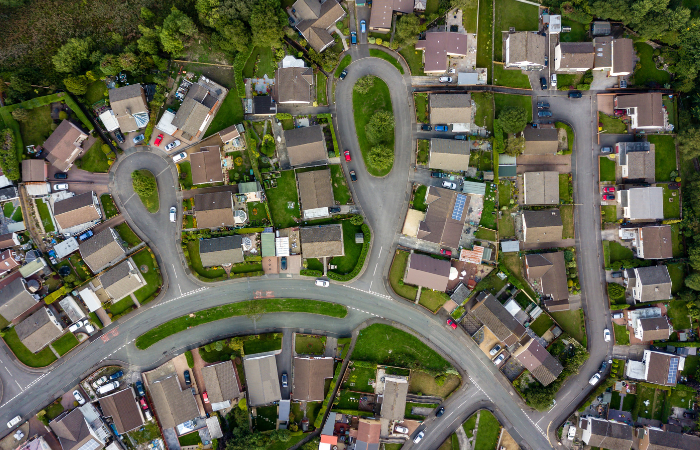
(607,169)
(364,106)
(468,16)
(648,74)
(256,212)
(190,439)
(7,209)
(95,160)
(483,116)
(628,402)
(108,205)
(263,343)
(384,344)
(127,234)
(54,410)
(523,101)
(515,266)
(196,263)
(571,322)
(352,250)
(677,241)
(152,276)
(266,65)
(569,135)
(567,218)
(414,58)
(672,209)
(610,213)
(321,82)
(423,155)
(277,199)
(377,53)
(184,169)
(677,311)
(150,202)
(542,324)
(622,335)
(506,225)
(484,38)
(421,102)
(341,191)
(249,307)
(578,31)
(488,431)
(433,300)
(17,215)
(565,189)
(488,220)
(612,125)
(410,406)
(80,267)
(305,344)
(672,108)
(37,128)
(486,234)
(95,92)
(510,13)
(619,252)
(691,366)
(230,112)
(45,216)
(347,59)
(398,267)
(122,306)
(665,148)
(65,343)
(510,77)
(419,198)
(40,359)
(469,426)
(359,378)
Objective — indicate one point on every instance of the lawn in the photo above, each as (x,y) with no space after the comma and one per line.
(578,31)
(523,101)
(691,366)
(263,343)
(469,15)
(150,201)
(427,384)
(384,344)
(359,379)
(488,431)
(571,322)
(230,112)
(377,53)
(510,77)
(542,324)
(567,219)
(108,205)
(261,62)
(506,225)
(648,74)
(677,311)
(409,407)
(469,426)
(678,398)
(352,250)
(95,160)
(672,108)
(665,149)
(144,259)
(184,170)
(398,267)
(515,266)
(622,335)
(96,91)
(37,128)
(488,214)
(484,38)
(127,234)
(121,307)
(483,116)
(510,13)
(414,58)
(672,204)
(486,234)
(190,439)
(677,241)
(249,307)
(611,124)
(65,343)
(566,194)
(607,169)
(321,81)
(421,102)
(307,344)
(341,192)
(569,135)
(423,155)
(419,198)
(619,252)
(656,398)
(364,106)
(196,263)
(347,59)
(610,213)
(45,215)
(433,300)
(278,200)
(40,359)
(628,402)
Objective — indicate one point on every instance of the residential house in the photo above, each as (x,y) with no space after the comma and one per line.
(71,308)
(295,85)
(80,428)
(214,209)
(646,110)
(220,251)
(38,330)
(547,273)
(77,210)
(8,193)
(642,203)
(206,165)
(322,241)
(34,170)
(7,262)
(261,379)
(172,404)
(652,438)
(636,161)
(313,20)
(8,240)
(648,283)
(654,242)
(382,13)
(394,397)
(231,136)
(606,434)
(35,442)
(649,329)
(525,50)
(445,217)
(129,106)
(542,226)
(315,193)
(65,145)
(221,384)
(573,56)
(15,298)
(449,154)
(121,280)
(102,250)
(261,105)
(122,407)
(538,361)
(197,109)
(451,109)
(541,188)
(306,146)
(616,56)
(656,367)
(368,432)
(428,272)
(541,141)
(438,47)
(496,318)
(310,375)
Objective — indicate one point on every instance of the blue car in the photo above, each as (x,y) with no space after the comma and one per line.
(139,388)
(442,128)
(353,38)
(116,375)
(138,139)
(544,114)
(85,235)
(363,26)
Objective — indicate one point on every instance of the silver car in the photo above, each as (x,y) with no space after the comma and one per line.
(449,185)
(172,145)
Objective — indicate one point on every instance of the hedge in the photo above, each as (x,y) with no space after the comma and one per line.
(330,124)
(360,262)
(55,295)
(354,412)
(283,116)
(190,360)
(683,344)
(238,64)
(324,407)
(311,273)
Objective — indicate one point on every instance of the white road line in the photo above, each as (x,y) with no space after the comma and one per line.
(167,168)
(174,271)
(8,371)
(20,387)
(132,196)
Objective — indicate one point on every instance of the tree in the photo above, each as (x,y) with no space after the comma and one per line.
(364,84)
(268,145)
(176,28)
(234,36)
(110,65)
(380,127)
(144,185)
(73,55)
(616,291)
(381,157)
(693,311)
(149,42)
(8,155)
(20,114)
(689,143)
(128,61)
(147,15)
(77,85)
(267,20)
(242,404)
(693,281)
(515,146)
(357,220)
(687,295)
(62,115)
(407,30)
(513,119)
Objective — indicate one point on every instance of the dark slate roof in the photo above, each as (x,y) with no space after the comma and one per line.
(610,435)
(497,318)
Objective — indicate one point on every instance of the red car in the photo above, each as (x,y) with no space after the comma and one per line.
(347,155)
(609,189)
(143,404)
(445,252)
(159,139)
(452,323)
(205,397)
(609,197)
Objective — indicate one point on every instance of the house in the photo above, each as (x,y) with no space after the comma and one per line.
(221,384)
(652,438)
(315,193)
(102,250)
(7,262)
(649,329)
(35,442)
(65,145)
(32,267)
(38,330)
(261,105)
(129,106)
(197,109)
(230,136)
(295,85)
(426,271)
(382,13)
(77,210)
(72,309)
(496,318)
(368,432)
(394,398)
(445,217)
(656,367)
(541,141)
(538,361)
(172,404)
(636,161)
(451,109)
(310,375)
(8,193)
(8,240)
(525,50)
(15,298)
(606,434)
(122,280)
(547,273)
(542,226)
(65,248)
(437,47)
(80,428)
(643,203)
(314,19)
(261,379)
(616,56)
(449,154)
(322,241)
(220,251)
(646,110)
(573,56)
(648,283)
(206,165)
(306,146)
(121,406)
(654,242)
(34,170)
(214,209)
(541,188)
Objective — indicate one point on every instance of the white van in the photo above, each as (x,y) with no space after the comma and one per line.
(554,80)
(109,387)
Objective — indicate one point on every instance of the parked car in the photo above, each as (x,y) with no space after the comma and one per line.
(544,113)
(496,348)
(283,263)
(334,209)
(546,60)
(148,415)
(440,411)
(138,139)
(347,155)
(363,26)
(61,176)
(442,128)
(343,74)
(575,94)
(618,315)
(594,379)
(400,429)
(60,187)
(119,136)
(542,105)
(616,275)
(173,214)
(353,175)
(172,145)
(606,149)
(116,375)
(205,397)
(426,128)
(606,335)
(99,382)
(623,84)
(603,366)
(418,437)
(143,404)
(554,80)
(180,156)
(109,387)
(499,359)
(158,140)
(449,185)
(188,380)
(452,323)
(572,433)
(543,83)
(689,415)
(461,137)
(445,79)
(140,389)
(609,189)
(284,379)
(609,197)
(620,112)
(353,38)
(89,328)
(437,175)
(322,283)
(78,398)
(77,325)
(445,252)
(88,234)
(14,421)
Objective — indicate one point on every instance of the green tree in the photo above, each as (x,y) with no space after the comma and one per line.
(176,28)
(267,20)
(689,142)
(693,311)
(381,157)
(513,119)
(407,30)
(268,145)
(20,114)
(687,295)
(693,281)
(128,61)
(357,220)
(110,65)
(8,155)
(234,36)
(380,127)
(515,146)
(149,41)
(242,404)
(73,55)
(147,15)
(12,3)
(364,84)
(144,185)
(616,291)
(77,85)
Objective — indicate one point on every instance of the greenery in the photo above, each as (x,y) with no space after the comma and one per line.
(145,258)
(65,343)
(307,344)
(607,169)
(108,205)
(341,192)
(127,234)
(510,13)
(433,300)
(646,73)
(351,250)
(45,215)
(622,335)
(42,358)
(484,36)
(610,124)
(665,156)
(347,59)
(542,324)
(145,186)
(513,119)
(374,123)
(488,432)
(189,358)
(376,53)
(189,439)
(278,199)
(262,343)
(571,322)
(321,96)
(569,135)
(230,112)
(510,77)
(96,159)
(398,267)
(414,58)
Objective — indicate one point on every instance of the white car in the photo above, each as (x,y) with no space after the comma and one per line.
(322,283)
(572,433)
(418,437)
(60,187)
(499,359)
(606,335)
(449,185)
(14,421)
(99,382)
(89,328)
(554,80)
(400,429)
(180,156)
(79,324)
(78,398)
(109,387)
(173,213)
(445,79)
(594,379)
(172,145)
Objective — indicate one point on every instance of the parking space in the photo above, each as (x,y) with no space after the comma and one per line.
(166,139)
(489,342)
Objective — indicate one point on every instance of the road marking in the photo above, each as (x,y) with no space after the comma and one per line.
(127,200)
(180,288)
(371,292)
(181,296)
(166,168)
(20,387)
(8,371)
(366,312)
(175,271)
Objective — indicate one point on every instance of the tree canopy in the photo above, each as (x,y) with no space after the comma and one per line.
(380,127)
(381,156)
(73,55)
(512,119)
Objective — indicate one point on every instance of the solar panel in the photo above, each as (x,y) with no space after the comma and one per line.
(673,371)
(459,207)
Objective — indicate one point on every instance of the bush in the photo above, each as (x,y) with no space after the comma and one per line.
(238,65)
(8,155)
(283,116)
(311,273)
(190,359)
(143,184)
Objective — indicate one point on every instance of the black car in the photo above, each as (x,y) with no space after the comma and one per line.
(616,275)
(139,389)
(188,380)
(543,83)
(437,174)
(343,74)
(334,209)
(440,411)
(461,137)
(119,136)
(353,175)
(542,105)
(61,176)
(426,128)
(575,94)
(544,113)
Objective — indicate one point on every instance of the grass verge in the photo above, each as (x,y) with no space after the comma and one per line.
(364,107)
(377,53)
(42,358)
(65,343)
(150,201)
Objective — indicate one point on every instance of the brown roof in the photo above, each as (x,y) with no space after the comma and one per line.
(122,279)
(316,18)
(428,272)
(221,382)
(229,133)
(294,84)
(195,108)
(173,405)
(450,108)
(64,145)
(7,262)
(76,210)
(603,52)
(610,435)
(658,368)
(315,190)
(102,249)
(541,188)
(576,55)
(665,440)
(7,240)
(557,305)
(649,108)
(438,226)
(306,145)
(73,430)
(542,225)
(655,329)
(623,56)
(125,102)
(526,46)
(368,431)
(437,45)
(549,271)
(122,408)
(221,250)
(34,170)
(214,209)
(14,297)
(656,242)
(535,358)
(206,165)
(383,10)
(497,318)
(322,241)
(449,154)
(541,141)
(37,330)
(309,378)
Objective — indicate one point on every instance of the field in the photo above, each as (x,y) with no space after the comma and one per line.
(108,206)
(665,149)
(126,233)
(359,379)
(619,252)
(278,200)
(677,273)
(265,61)
(607,169)
(262,343)
(426,384)
(622,335)
(184,170)
(364,107)
(414,58)
(488,216)
(321,96)
(398,267)
(421,102)
(610,213)
(566,189)
(678,313)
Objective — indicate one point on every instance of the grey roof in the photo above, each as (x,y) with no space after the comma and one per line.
(261,379)
(102,249)
(535,358)
(37,330)
(449,154)
(394,403)
(600,28)
(526,46)
(316,18)
(264,105)
(294,84)
(190,116)
(665,440)
(172,404)
(214,209)
(221,382)
(542,225)
(14,297)
(540,141)
(510,246)
(221,250)
(638,158)
(315,190)
(460,294)
(655,281)
(122,279)
(644,203)
(576,55)
(541,188)
(610,435)
(306,145)
(450,108)
(474,187)
(603,52)
(322,240)
(61,146)
(127,103)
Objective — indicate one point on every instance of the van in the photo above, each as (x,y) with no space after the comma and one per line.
(554,80)
(109,387)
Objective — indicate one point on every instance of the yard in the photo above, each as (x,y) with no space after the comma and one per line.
(65,343)
(96,91)
(266,419)
(484,38)
(241,166)
(469,426)
(672,203)
(571,322)
(352,250)
(619,252)
(622,335)
(570,137)
(307,344)
(567,219)
(95,160)
(146,262)
(511,13)
(398,267)
(127,234)
(665,149)
(261,62)
(419,198)
(196,263)
(230,112)
(488,214)
(121,307)
(423,155)
(515,266)
(524,101)
(469,15)
(677,273)
(427,384)
(433,300)
(184,170)
(108,205)
(37,128)
(578,33)
(347,59)
(190,439)
(488,431)
(262,343)
(40,359)
(648,74)
(421,102)
(510,77)
(359,379)
(150,201)
(321,96)
(485,234)
(677,311)
(609,213)
(655,399)
(677,241)
(281,198)
(341,192)
(364,107)
(611,124)
(483,116)
(607,169)
(377,53)
(566,189)
(542,324)
(45,215)
(414,58)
